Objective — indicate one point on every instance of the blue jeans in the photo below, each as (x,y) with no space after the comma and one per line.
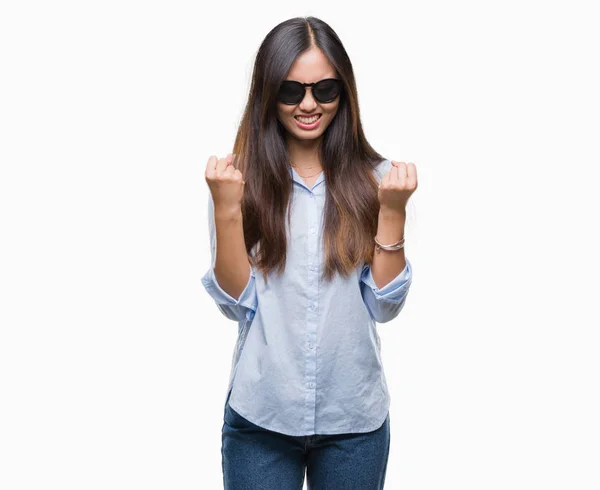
(254,458)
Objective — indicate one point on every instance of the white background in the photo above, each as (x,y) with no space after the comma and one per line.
(114,360)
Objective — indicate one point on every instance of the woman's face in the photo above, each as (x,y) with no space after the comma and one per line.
(310,67)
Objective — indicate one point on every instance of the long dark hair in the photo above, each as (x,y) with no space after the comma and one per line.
(351,204)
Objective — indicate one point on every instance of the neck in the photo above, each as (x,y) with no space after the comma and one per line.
(305,154)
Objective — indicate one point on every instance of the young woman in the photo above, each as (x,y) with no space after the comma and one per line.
(307,233)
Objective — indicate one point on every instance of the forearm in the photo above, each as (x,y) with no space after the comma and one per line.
(387,264)
(232,268)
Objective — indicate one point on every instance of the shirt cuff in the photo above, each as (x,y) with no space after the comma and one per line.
(247,298)
(393,291)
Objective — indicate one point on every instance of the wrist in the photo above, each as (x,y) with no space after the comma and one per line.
(228,213)
(392,214)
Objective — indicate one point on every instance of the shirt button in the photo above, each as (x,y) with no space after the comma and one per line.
(312,230)
(311,385)
(313,267)
(310,345)
(312,306)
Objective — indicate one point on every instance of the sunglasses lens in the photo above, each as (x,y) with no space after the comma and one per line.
(290,92)
(326,90)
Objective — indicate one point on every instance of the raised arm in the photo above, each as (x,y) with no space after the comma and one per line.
(230,278)
(385,283)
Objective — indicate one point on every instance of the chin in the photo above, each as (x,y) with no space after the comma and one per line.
(305,136)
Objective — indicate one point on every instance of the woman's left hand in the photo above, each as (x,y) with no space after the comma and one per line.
(397,186)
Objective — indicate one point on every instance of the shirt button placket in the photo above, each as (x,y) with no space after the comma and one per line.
(312,314)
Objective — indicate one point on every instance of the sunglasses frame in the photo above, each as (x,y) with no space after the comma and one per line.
(304,85)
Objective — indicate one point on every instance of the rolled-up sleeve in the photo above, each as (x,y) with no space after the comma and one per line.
(386,303)
(245,306)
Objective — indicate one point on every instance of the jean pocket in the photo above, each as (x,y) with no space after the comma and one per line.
(234,419)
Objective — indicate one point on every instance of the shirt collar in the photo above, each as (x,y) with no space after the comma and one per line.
(296,178)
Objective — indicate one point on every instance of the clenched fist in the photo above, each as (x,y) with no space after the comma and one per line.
(397,186)
(226,183)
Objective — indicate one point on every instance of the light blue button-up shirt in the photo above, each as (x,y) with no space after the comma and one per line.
(308,356)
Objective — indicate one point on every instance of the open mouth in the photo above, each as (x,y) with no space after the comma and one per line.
(308,122)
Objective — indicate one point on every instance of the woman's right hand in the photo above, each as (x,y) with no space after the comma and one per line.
(226,183)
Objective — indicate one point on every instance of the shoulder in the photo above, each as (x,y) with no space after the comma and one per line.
(382,168)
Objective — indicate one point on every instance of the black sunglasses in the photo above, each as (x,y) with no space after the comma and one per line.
(324,91)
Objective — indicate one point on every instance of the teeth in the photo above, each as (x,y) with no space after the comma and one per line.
(308,120)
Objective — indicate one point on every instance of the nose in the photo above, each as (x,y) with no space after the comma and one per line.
(308,103)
